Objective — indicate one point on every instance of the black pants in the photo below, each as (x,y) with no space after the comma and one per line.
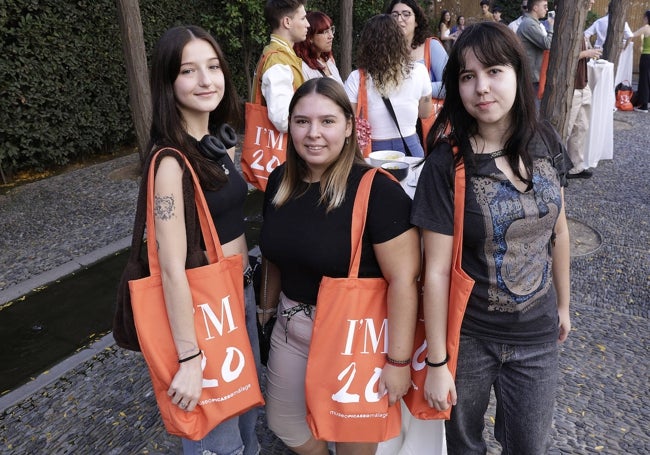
(644,81)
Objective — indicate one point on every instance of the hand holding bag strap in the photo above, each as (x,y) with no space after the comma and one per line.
(210,237)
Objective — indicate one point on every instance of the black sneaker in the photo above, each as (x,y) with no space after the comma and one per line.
(640,109)
(586,174)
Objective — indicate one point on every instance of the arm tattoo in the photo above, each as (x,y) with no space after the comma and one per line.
(164,207)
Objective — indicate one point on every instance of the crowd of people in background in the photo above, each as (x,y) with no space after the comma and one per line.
(486,79)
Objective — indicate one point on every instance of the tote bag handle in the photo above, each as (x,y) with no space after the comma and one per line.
(210,237)
(359,215)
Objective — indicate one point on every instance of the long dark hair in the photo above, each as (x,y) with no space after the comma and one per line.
(421,32)
(493,44)
(167,124)
(442,19)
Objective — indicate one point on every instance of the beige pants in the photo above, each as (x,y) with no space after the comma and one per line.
(579,118)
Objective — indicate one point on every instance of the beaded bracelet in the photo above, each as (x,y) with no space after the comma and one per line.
(193,356)
(436,365)
(397,363)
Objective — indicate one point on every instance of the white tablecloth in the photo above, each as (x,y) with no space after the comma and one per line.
(600,143)
(625,65)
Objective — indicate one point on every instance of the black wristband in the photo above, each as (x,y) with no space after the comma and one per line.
(193,356)
(436,365)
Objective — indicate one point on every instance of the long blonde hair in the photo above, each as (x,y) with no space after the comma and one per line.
(333,183)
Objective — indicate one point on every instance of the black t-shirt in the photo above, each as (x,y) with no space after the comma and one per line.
(306,243)
(506,242)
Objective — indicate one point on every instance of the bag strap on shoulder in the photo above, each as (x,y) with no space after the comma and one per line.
(362,97)
(459,210)
(359,217)
(210,237)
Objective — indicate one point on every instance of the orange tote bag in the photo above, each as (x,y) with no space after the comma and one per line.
(436,103)
(264,147)
(460,288)
(230,384)
(348,350)
(542,74)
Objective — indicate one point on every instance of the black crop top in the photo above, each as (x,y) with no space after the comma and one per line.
(227,204)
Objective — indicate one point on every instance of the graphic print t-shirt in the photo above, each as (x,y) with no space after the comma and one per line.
(506,243)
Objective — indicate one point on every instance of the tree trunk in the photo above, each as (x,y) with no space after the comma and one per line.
(563,63)
(345,63)
(135,60)
(613,41)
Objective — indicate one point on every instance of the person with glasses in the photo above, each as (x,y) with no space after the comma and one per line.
(316,50)
(394,81)
(415,26)
(424,49)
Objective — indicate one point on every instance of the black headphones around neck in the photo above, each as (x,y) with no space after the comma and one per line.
(216,147)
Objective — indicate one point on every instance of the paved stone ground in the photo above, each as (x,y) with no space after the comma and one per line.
(104,404)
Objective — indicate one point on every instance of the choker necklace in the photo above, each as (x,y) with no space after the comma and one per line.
(498,153)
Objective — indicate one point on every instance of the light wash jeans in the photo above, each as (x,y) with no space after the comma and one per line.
(413,143)
(237,435)
(524,380)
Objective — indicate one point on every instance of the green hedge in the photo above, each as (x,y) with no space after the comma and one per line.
(63,88)
(63,85)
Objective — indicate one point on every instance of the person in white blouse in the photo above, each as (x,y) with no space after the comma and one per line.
(384,56)
(281,74)
(599,28)
(316,50)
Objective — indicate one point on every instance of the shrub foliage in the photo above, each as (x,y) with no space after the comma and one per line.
(63,86)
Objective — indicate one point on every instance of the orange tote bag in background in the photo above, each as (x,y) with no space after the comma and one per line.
(348,350)
(230,384)
(436,103)
(264,147)
(460,288)
(543,73)
(364,131)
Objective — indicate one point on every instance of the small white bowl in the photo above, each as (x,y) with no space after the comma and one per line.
(384,156)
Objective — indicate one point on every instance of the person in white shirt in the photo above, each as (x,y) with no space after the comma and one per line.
(281,74)
(514,25)
(316,50)
(384,57)
(599,28)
